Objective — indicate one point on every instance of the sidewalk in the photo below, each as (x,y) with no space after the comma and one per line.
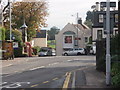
(7,63)
(94,78)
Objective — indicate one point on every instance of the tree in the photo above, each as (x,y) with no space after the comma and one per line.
(2,33)
(15,33)
(89,19)
(34,14)
(51,33)
(88,23)
(89,16)
(17,38)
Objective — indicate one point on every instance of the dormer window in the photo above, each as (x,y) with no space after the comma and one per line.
(100,18)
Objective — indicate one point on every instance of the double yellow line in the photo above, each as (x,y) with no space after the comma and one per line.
(66,82)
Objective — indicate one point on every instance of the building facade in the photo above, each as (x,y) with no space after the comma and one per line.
(40,39)
(72,36)
(99,22)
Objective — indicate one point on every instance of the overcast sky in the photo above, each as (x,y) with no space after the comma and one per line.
(61,11)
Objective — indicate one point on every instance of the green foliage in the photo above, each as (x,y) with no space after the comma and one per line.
(31,33)
(51,33)
(89,19)
(115,45)
(34,14)
(18,51)
(115,57)
(90,40)
(17,38)
(16,34)
(51,43)
(2,33)
(88,23)
(36,49)
(115,72)
(89,16)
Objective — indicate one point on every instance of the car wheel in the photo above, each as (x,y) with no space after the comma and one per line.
(78,53)
(65,54)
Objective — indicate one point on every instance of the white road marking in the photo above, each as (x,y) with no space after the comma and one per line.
(2,83)
(46,57)
(69,60)
(37,68)
(53,64)
(73,81)
(14,85)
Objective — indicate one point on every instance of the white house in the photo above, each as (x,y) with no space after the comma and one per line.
(72,36)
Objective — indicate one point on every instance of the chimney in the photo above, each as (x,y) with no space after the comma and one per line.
(97,6)
(79,21)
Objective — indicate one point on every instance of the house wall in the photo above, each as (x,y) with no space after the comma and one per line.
(41,42)
(60,38)
(94,33)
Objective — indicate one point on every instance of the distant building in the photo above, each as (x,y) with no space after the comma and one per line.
(67,37)
(40,39)
(99,21)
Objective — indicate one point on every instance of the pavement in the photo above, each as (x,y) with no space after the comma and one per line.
(86,77)
(6,63)
(93,78)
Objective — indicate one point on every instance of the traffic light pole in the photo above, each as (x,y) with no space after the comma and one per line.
(108,56)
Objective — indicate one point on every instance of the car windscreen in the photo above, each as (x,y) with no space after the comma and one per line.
(43,50)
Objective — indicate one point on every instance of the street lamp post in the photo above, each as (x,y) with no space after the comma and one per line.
(77,29)
(24,32)
(10,20)
(108,56)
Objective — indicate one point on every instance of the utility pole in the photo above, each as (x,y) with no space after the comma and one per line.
(1,13)
(77,28)
(108,56)
(10,20)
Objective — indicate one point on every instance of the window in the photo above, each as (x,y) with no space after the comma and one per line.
(101,18)
(68,39)
(80,49)
(116,17)
(71,49)
(76,49)
(86,39)
(116,31)
(99,34)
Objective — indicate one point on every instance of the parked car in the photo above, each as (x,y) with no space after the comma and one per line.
(53,52)
(45,51)
(93,50)
(76,51)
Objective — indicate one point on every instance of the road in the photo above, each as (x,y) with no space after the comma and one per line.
(47,72)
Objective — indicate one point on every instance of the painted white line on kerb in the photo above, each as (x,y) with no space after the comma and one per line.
(73,81)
